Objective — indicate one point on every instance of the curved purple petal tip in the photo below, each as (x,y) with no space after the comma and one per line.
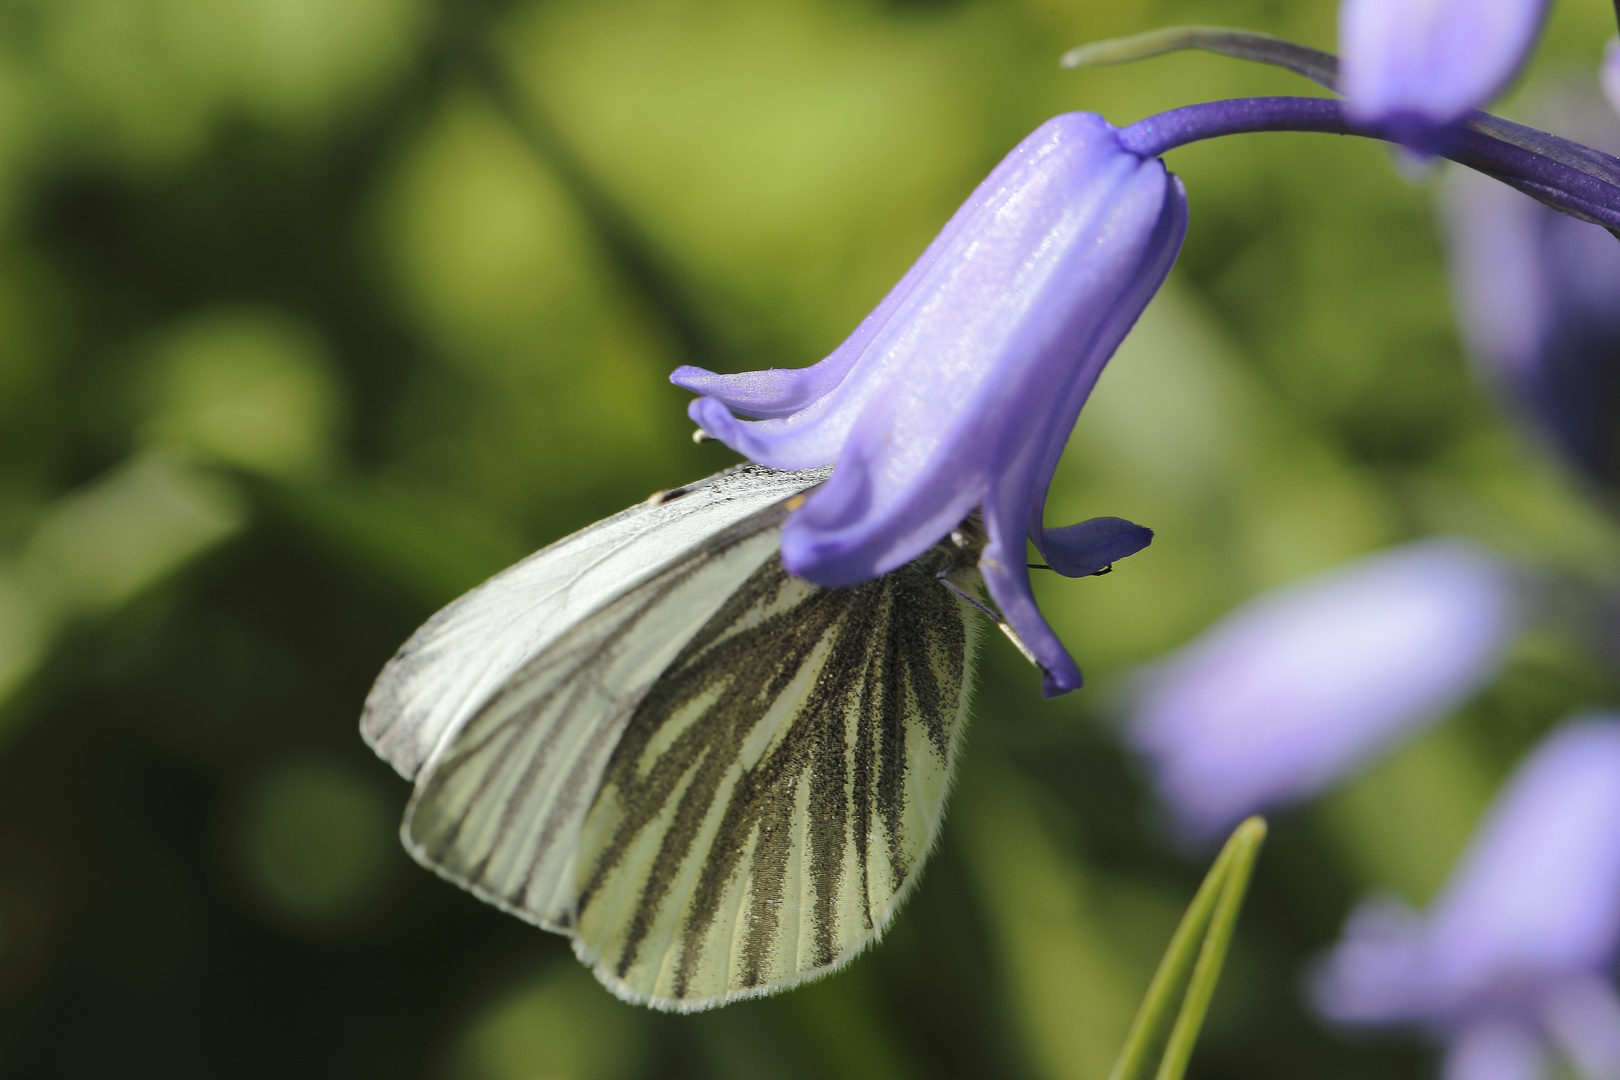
(1091,547)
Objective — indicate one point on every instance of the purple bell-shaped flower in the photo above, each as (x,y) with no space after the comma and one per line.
(1513,957)
(1538,306)
(1303,684)
(959,391)
(1412,69)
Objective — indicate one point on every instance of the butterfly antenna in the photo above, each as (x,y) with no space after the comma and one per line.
(1001,623)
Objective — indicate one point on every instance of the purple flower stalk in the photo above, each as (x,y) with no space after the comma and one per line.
(959,391)
(1567,176)
(1298,687)
(1512,957)
(1415,69)
(1538,304)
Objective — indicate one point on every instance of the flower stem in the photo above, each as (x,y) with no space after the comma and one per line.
(1575,180)
(1193,123)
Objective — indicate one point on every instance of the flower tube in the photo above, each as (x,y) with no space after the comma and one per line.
(959,391)
(1301,685)
(1512,956)
(1415,68)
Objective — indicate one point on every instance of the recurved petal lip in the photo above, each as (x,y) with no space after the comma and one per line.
(1091,546)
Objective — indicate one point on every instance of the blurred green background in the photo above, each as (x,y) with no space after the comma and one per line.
(314,313)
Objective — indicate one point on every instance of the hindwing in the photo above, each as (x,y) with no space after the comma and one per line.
(771,799)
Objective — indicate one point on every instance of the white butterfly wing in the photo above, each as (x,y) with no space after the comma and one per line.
(499,812)
(462,656)
(717,778)
(772,799)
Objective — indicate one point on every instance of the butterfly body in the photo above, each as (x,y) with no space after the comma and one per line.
(717,778)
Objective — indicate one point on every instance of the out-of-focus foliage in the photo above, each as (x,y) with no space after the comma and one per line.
(313,314)
(150,81)
(245,388)
(552,1025)
(311,840)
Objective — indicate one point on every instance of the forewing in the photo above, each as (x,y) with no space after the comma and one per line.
(498,809)
(463,656)
(770,801)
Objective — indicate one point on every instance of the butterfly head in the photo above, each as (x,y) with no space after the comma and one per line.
(961,550)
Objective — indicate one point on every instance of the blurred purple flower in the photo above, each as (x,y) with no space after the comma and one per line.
(1414,68)
(1538,305)
(960,389)
(1513,954)
(1303,684)
(1609,74)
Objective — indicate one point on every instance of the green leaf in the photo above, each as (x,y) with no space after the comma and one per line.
(1319,67)
(1162,1034)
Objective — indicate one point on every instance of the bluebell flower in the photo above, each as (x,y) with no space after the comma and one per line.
(960,389)
(1538,305)
(1303,684)
(1512,958)
(1413,69)
(958,392)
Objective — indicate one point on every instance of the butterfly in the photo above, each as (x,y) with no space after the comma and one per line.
(716,778)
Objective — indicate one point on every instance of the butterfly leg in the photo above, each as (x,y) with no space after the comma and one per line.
(1012,635)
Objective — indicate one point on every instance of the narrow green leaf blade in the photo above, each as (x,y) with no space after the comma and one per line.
(1320,67)
(1152,1026)
(1244,847)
